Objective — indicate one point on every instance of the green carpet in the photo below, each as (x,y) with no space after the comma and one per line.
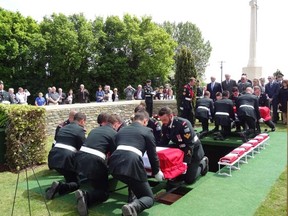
(214,195)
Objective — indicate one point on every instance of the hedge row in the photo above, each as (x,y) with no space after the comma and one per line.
(25,135)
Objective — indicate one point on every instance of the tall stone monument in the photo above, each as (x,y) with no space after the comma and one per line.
(253,70)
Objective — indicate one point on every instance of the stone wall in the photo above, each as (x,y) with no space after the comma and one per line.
(58,113)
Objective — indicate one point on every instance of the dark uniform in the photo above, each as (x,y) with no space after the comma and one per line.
(186,103)
(224,115)
(126,162)
(248,112)
(148,93)
(181,134)
(91,162)
(203,111)
(63,124)
(61,158)
(156,128)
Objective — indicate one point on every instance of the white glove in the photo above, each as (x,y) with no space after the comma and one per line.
(159,176)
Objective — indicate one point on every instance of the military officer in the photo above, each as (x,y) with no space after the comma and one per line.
(126,165)
(224,114)
(91,162)
(149,93)
(247,107)
(186,103)
(178,132)
(69,140)
(204,110)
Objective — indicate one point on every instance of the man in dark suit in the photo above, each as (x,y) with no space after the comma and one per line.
(126,164)
(91,162)
(213,88)
(69,140)
(224,114)
(204,110)
(180,132)
(272,89)
(228,83)
(247,107)
(5,97)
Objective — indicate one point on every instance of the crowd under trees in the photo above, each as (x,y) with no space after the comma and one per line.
(66,51)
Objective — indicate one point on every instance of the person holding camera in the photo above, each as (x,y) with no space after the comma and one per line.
(149,93)
(129,92)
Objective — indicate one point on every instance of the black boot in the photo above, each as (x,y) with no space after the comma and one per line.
(131,196)
(132,209)
(81,198)
(204,165)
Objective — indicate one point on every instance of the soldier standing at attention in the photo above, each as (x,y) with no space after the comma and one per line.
(149,93)
(186,104)
(69,140)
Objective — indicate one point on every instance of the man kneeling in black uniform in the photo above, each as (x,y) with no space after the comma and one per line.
(180,133)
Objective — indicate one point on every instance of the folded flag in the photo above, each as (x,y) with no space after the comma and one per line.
(247,146)
(253,142)
(259,138)
(240,151)
(265,135)
(229,158)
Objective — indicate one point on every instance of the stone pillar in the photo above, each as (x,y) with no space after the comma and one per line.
(253,70)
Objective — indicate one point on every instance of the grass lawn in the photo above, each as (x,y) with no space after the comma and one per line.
(274,204)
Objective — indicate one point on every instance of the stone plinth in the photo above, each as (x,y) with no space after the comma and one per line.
(253,72)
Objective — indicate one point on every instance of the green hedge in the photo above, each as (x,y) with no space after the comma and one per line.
(25,135)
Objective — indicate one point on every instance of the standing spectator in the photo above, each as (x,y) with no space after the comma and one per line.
(149,93)
(40,100)
(82,95)
(243,84)
(199,90)
(272,90)
(100,94)
(126,165)
(256,82)
(47,95)
(262,84)
(213,88)
(12,95)
(53,97)
(139,94)
(62,96)
(159,95)
(4,95)
(22,96)
(108,93)
(228,83)
(186,103)
(129,92)
(283,98)
(70,97)
(115,96)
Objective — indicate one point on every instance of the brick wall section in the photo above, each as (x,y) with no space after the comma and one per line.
(59,113)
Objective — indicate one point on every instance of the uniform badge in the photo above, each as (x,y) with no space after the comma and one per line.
(187,130)
(187,135)
(179,138)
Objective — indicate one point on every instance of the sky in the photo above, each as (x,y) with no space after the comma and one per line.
(224,23)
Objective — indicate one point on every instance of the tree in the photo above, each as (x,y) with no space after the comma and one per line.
(185,69)
(133,50)
(189,35)
(21,45)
